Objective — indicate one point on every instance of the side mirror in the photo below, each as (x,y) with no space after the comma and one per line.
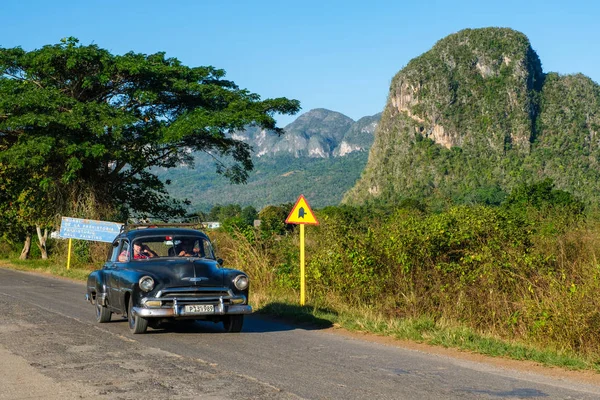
(220,261)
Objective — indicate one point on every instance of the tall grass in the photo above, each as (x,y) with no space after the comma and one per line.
(529,278)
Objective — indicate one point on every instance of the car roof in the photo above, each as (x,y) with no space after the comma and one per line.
(145,232)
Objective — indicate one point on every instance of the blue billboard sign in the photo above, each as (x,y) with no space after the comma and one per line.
(89,229)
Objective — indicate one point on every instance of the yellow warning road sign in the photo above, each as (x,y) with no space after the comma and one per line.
(301,213)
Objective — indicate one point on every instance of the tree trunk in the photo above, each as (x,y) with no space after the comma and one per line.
(26,248)
(42,241)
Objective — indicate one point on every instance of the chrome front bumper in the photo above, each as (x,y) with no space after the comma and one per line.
(177,311)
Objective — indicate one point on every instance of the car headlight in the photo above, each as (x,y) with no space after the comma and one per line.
(241,282)
(146,283)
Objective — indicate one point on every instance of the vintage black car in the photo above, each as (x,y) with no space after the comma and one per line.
(158,275)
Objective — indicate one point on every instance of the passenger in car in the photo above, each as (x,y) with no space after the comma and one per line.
(141,251)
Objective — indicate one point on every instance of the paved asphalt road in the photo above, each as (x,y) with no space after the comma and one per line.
(52,348)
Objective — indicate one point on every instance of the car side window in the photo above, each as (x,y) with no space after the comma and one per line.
(124,252)
(114,251)
(205,249)
(209,249)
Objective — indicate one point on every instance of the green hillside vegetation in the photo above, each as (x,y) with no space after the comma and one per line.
(476,115)
(567,148)
(274,180)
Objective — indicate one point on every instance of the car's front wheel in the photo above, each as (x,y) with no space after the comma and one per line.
(102,312)
(137,324)
(233,323)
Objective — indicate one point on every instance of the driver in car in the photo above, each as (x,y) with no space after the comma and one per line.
(142,251)
(190,250)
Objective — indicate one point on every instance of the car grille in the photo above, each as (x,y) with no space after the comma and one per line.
(194,295)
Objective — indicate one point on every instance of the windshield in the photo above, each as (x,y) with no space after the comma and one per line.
(171,246)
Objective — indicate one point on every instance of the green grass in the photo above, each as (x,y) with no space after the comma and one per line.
(425,330)
(422,330)
(49,267)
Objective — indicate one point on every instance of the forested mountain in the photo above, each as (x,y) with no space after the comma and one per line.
(321,155)
(476,115)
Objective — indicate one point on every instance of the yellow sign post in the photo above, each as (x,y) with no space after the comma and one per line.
(69,255)
(301,214)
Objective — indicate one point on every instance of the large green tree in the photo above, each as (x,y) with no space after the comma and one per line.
(77,120)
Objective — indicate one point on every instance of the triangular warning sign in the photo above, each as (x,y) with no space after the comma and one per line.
(301,213)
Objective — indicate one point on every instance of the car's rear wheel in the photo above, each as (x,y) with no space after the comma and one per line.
(137,324)
(233,323)
(102,312)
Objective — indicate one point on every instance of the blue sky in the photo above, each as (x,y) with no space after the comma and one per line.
(339,55)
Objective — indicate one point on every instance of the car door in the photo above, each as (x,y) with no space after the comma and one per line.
(116,267)
(106,271)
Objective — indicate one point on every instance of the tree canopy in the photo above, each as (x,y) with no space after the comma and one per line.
(77,120)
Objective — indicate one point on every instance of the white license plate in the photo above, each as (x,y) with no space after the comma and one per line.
(199,309)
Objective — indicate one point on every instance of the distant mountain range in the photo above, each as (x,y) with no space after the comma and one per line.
(321,155)
(319,133)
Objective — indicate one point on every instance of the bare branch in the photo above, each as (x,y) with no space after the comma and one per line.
(152,161)
(26,80)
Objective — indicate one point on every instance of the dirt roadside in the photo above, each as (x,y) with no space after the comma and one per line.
(585,376)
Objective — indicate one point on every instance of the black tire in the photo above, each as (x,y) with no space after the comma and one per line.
(233,323)
(102,312)
(137,324)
